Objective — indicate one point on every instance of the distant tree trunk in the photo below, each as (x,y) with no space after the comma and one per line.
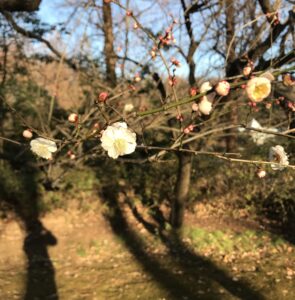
(181,190)
(231,68)
(110,55)
(19,5)
(184,159)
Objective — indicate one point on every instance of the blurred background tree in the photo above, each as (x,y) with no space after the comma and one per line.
(148,55)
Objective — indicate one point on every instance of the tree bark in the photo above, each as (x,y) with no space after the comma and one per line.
(181,190)
(19,5)
(231,68)
(110,55)
(184,159)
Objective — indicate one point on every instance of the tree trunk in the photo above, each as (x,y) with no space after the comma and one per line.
(184,159)
(231,70)
(181,189)
(110,55)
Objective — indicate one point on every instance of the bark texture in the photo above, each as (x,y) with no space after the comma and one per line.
(231,68)
(110,55)
(181,190)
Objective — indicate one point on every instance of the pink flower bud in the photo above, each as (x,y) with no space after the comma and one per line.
(153,54)
(179,118)
(172,81)
(27,134)
(175,62)
(222,88)
(247,71)
(268,105)
(103,96)
(186,130)
(129,13)
(131,87)
(73,118)
(96,125)
(71,155)
(193,91)
(191,127)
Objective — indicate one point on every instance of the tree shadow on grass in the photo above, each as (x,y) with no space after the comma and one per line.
(19,194)
(201,278)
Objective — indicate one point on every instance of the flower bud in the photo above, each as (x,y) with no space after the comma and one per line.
(103,96)
(186,130)
(128,107)
(288,80)
(247,71)
(153,54)
(191,127)
(73,118)
(261,173)
(175,62)
(193,91)
(172,81)
(27,134)
(222,88)
(195,107)
(180,118)
(137,78)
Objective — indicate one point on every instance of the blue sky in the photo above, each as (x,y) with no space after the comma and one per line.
(47,12)
(156,19)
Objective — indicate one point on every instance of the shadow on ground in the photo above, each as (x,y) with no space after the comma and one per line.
(199,278)
(19,194)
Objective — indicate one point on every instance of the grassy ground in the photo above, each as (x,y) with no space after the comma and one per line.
(87,256)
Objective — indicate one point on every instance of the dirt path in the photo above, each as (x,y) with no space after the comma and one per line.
(80,256)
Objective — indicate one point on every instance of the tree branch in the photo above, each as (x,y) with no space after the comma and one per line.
(37,37)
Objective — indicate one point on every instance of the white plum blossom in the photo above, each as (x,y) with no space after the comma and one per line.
(206,87)
(258,88)
(118,140)
(268,75)
(205,106)
(259,138)
(278,155)
(43,147)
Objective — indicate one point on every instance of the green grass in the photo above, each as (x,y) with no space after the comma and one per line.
(225,242)
(81,251)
